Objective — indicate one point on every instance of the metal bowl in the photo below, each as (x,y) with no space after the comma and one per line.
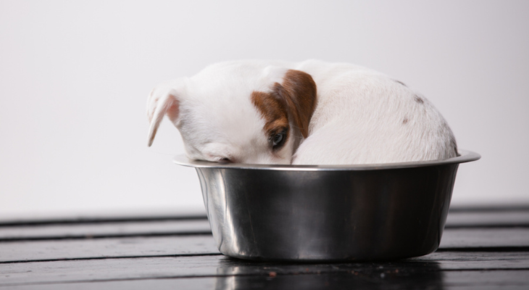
(328,213)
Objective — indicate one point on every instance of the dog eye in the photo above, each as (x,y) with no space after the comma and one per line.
(278,139)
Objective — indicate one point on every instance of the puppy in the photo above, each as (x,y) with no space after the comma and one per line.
(312,113)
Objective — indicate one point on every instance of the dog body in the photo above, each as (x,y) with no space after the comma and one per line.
(301,113)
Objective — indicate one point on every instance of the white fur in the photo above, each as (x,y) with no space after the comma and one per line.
(361,116)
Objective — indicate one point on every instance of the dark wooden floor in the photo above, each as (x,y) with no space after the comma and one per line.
(482,248)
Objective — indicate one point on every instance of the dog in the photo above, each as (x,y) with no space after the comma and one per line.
(308,113)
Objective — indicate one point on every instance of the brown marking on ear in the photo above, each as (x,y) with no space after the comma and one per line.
(173,110)
(274,112)
(405,121)
(299,93)
(419,99)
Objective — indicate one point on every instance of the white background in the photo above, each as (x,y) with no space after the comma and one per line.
(74,77)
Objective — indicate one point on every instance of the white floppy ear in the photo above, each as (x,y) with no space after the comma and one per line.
(163,100)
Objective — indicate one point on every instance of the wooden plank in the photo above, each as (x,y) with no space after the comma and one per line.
(210,266)
(490,208)
(106,248)
(469,219)
(201,226)
(468,280)
(193,224)
(99,230)
(103,215)
(485,238)
(462,239)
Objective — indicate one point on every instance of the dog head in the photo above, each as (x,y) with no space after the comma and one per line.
(240,112)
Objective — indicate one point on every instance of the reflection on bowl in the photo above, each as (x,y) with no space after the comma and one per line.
(333,213)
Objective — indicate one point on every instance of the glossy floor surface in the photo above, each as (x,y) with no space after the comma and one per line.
(482,248)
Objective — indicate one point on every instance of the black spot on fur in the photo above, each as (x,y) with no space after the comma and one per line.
(419,99)
(401,83)
(405,121)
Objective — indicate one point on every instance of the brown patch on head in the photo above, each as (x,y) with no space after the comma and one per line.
(294,99)
(405,121)
(401,83)
(299,93)
(274,112)
(419,99)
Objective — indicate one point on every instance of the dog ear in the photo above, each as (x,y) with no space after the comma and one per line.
(298,91)
(163,100)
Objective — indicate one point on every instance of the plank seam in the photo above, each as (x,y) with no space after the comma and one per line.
(105,236)
(485,249)
(109,258)
(48,222)
(444,250)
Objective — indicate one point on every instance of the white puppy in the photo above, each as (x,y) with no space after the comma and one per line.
(301,113)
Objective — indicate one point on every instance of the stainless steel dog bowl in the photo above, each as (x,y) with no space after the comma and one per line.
(316,213)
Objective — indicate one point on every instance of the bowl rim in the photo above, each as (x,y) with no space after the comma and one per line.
(464,156)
